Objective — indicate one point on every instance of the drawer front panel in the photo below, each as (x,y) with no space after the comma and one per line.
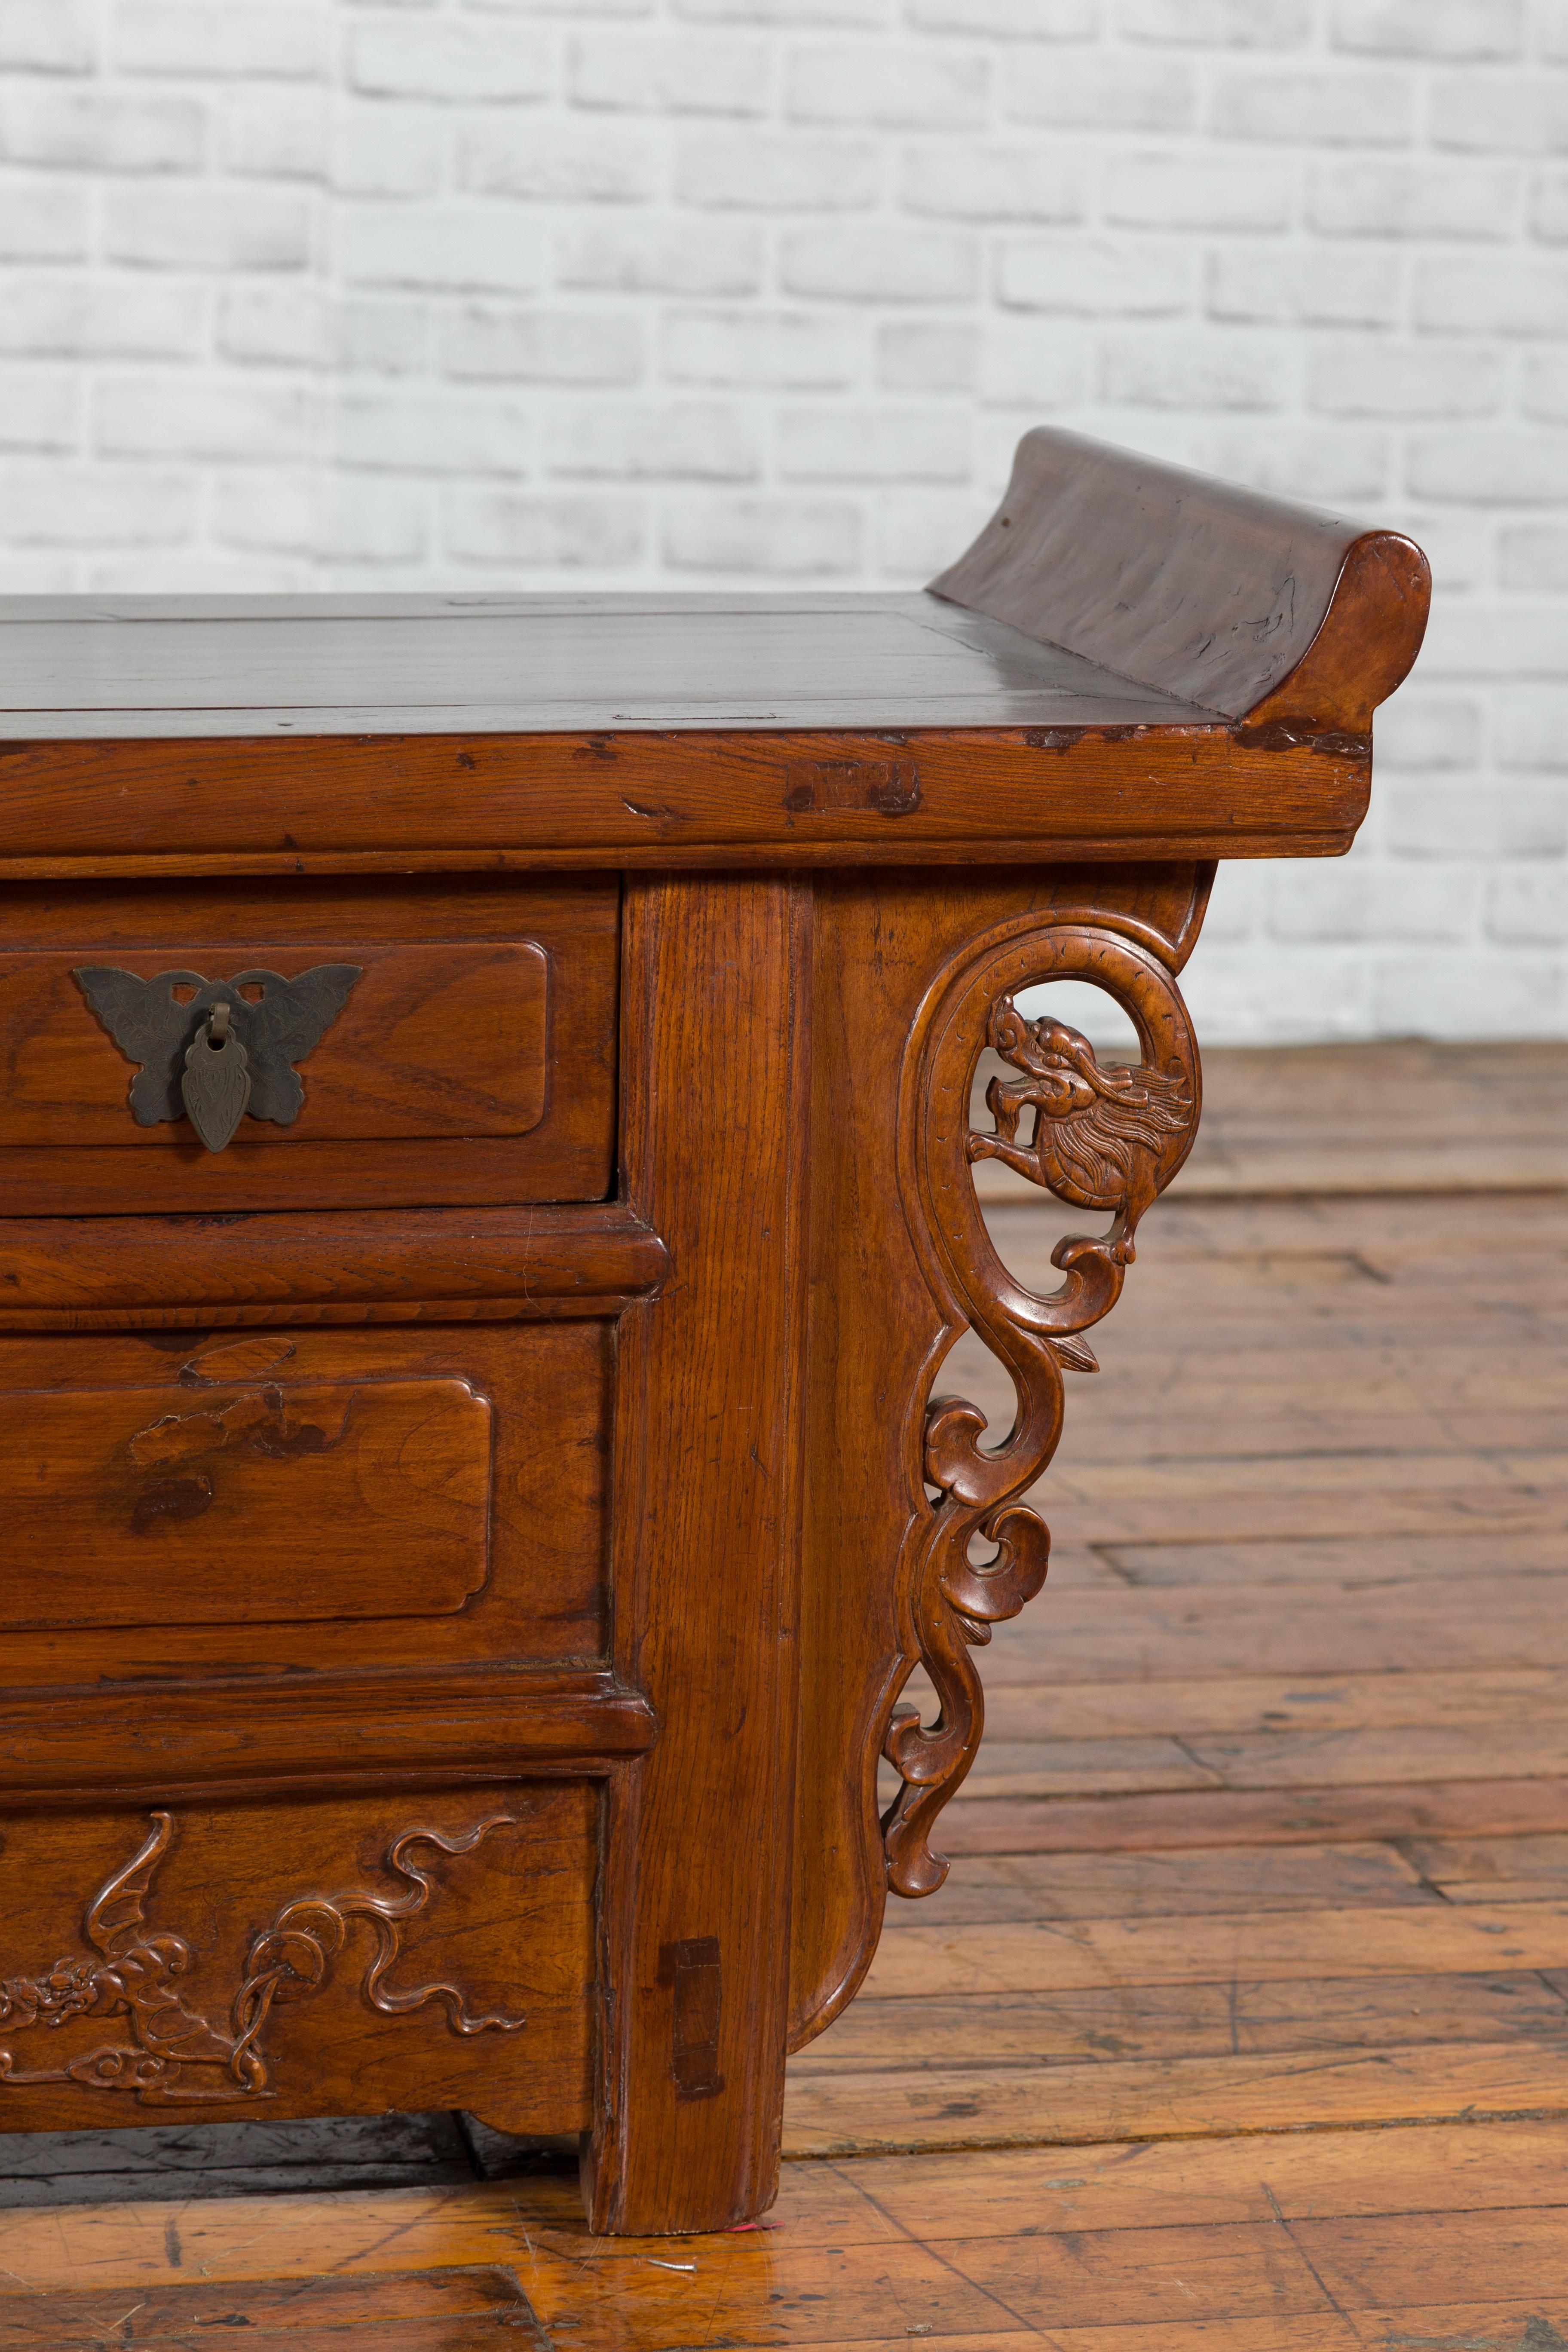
(414,1949)
(434,1040)
(287,1503)
(367,1499)
(411,1044)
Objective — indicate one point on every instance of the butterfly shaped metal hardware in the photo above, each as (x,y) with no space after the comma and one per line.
(216,1053)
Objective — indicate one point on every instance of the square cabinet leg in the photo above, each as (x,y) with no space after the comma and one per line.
(708,1454)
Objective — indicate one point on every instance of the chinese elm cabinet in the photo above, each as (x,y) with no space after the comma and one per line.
(487,1147)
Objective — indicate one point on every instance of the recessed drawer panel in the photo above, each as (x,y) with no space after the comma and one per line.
(283,1505)
(372,1044)
(431,1040)
(245,1506)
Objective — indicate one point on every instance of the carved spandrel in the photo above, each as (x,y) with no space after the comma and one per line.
(1098,1137)
(175,2055)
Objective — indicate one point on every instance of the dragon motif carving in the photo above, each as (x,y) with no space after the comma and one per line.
(1102,1138)
(1095,1129)
(174,2055)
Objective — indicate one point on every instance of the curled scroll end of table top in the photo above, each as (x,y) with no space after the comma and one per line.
(1096,1136)
(1289,622)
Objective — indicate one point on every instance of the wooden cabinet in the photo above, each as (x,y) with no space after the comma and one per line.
(488,1122)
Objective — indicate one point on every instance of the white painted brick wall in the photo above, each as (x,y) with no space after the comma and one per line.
(396,293)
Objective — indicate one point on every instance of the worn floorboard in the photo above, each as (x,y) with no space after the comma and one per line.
(1241,2023)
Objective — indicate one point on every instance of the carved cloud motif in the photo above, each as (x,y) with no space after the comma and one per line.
(175,2056)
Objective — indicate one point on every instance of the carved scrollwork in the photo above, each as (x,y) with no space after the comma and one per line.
(1102,1137)
(175,2056)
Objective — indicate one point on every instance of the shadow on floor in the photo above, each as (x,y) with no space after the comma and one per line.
(175,2162)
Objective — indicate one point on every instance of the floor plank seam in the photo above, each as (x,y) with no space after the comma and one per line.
(1462,2118)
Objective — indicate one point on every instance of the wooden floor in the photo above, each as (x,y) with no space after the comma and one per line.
(1242,2022)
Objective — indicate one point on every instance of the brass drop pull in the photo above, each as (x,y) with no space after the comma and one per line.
(216,1086)
(248,1033)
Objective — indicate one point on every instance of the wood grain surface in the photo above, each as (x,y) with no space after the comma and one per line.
(440,1040)
(66,1272)
(527,804)
(1293,620)
(131,1506)
(436,1946)
(171,1521)
(1053,718)
(474,1060)
(708,1417)
(461,2310)
(345,664)
(202,1739)
(529,1855)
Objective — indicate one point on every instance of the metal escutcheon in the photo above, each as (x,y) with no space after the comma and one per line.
(216,1082)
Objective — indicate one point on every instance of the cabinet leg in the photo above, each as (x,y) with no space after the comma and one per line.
(706,1572)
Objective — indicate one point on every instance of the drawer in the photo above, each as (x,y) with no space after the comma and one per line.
(267,1503)
(413,1949)
(285,1504)
(403,1044)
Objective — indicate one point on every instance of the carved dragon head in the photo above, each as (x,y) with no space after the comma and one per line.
(1091,1121)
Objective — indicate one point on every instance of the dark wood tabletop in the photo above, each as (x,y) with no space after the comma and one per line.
(227,666)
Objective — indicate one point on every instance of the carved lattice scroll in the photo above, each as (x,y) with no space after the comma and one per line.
(1099,1138)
